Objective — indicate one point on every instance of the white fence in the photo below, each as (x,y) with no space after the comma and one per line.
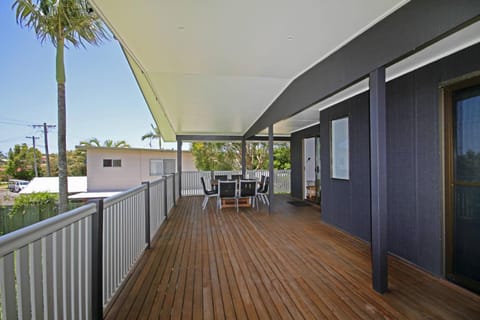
(191,185)
(70,266)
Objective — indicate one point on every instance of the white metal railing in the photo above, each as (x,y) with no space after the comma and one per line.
(45,268)
(191,185)
(123,237)
(69,266)
(157,205)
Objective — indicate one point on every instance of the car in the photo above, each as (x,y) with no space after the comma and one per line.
(15,185)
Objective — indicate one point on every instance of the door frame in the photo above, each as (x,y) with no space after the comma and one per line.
(448,157)
(313,158)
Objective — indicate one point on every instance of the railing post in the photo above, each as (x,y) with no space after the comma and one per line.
(97,262)
(173,191)
(147,213)
(165,198)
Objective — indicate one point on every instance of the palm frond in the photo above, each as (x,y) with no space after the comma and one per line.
(72,20)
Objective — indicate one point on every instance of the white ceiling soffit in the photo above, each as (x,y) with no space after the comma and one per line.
(213,67)
(447,46)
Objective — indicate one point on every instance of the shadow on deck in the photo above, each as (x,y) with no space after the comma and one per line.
(286,265)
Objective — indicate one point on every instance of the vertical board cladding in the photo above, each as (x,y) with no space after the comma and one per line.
(346,204)
(296,155)
(414,162)
(415,157)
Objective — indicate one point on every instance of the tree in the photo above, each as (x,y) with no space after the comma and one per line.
(228,156)
(109,143)
(115,144)
(281,156)
(20,162)
(152,135)
(61,22)
(76,161)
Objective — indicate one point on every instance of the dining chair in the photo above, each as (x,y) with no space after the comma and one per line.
(237,177)
(208,194)
(222,177)
(248,189)
(227,190)
(263,194)
(262,182)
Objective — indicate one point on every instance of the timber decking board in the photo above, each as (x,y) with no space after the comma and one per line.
(286,265)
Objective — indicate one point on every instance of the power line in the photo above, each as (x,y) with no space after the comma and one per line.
(15,124)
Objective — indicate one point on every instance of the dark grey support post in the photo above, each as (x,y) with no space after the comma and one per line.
(179,166)
(165,198)
(378,162)
(97,261)
(173,191)
(244,158)
(270,166)
(147,213)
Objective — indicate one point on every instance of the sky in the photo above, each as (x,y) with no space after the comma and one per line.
(103,99)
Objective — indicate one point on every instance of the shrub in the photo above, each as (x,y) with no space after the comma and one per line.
(43,201)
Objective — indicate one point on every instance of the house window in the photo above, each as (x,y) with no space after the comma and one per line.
(156,167)
(108,163)
(339,144)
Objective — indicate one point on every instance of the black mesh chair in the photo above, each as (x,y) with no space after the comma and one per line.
(248,189)
(227,190)
(263,194)
(262,182)
(237,177)
(221,177)
(208,194)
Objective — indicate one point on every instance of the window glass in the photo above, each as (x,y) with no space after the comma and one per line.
(117,162)
(340,159)
(156,167)
(107,162)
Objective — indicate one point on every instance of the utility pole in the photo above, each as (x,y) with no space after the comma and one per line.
(45,135)
(34,154)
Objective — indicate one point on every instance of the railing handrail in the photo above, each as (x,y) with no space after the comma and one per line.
(155,182)
(28,234)
(121,196)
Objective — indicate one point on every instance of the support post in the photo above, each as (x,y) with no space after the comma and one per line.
(97,262)
(179,166)
(270,167)
(165,198)
(173,191)
(244,158)
(378,183)
(147,213)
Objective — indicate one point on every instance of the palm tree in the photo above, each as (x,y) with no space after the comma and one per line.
(152,135)
(61,22)
(93,142)
(109,143)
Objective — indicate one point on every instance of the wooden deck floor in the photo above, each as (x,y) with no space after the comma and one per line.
(286,265)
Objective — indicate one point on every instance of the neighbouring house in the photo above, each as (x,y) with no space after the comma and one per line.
(115,169)
(50,185)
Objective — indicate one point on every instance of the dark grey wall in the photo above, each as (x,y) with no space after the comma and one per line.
(414,156)
(346,204)
(296,158)
(415,190)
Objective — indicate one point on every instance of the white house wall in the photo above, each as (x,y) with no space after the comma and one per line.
(134,170)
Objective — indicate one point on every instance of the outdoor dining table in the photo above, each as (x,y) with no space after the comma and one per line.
(215,182)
